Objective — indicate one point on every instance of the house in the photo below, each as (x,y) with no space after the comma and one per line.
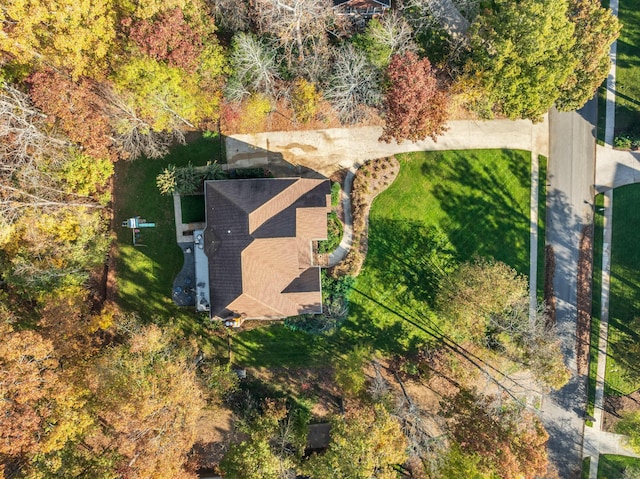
(254,258)
(364,9)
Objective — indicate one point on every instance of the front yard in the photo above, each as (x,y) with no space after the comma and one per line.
(443,209)
(623,365)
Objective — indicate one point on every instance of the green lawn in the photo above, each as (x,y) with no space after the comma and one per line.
(145,273)
(595,302)
(192,208)
(542,224)
(444,208)
(602,112)
(628,68)
(612,467)
(623,371)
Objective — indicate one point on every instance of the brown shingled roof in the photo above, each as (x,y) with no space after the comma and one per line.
(258,241)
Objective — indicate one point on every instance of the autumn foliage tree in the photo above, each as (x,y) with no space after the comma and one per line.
(415,107)
(366,443)
(170,38)
(75,108)
(148,398)
(506,437)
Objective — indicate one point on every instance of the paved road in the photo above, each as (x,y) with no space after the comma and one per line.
(570,195)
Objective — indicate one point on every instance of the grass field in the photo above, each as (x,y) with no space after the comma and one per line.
(444,208)
(613,467)
(542,224)
(145,273)
(628,68)
(596,301)
(623,371)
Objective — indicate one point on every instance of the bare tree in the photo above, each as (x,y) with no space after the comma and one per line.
(294,22)
(133,136)
(231,15)
(29,155)
(395,34)
(452,16)
(254,64)
(354,84)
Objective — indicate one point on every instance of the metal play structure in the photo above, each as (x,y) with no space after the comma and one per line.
(134,224)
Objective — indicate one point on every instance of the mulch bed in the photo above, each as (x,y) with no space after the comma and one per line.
(583,332)
(370,180)
(615,406)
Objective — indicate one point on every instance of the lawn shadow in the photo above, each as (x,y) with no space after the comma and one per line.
(484,217)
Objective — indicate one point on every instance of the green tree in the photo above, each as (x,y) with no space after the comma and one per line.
(348,370)
(476,292)
(168,97)
(365,443)
(275,437)
(595,30)
(521,56)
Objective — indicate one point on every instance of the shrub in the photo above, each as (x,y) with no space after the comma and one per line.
(334,236)
(335,194)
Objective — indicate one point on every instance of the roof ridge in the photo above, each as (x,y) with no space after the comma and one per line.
(290,194)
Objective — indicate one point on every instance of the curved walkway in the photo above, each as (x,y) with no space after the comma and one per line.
(347,237)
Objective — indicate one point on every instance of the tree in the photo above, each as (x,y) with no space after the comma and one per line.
(475,292)
(254,67)
(274,437)
(148,399)
(293,22)
(171,38)
(231,15)
(348,371)
(304,100)
(520,58)
(595,30)
(28,373)
(167,97)
(354,84)
(390,35)
(414,105)
(365,443)
(133,136)
(505,437)
(75,108)
(74,36)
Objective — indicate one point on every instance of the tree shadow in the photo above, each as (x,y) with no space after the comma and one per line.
(484,218)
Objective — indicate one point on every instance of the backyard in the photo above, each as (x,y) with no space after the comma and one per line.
(444,208)
(622,372)
(145,272)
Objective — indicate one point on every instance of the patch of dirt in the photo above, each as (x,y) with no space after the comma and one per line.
(214,431)
(583,333)
(614,406)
